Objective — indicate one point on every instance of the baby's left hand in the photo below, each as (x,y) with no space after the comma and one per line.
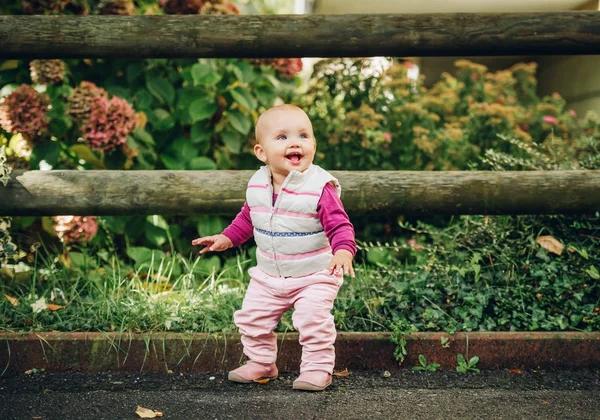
(342,260)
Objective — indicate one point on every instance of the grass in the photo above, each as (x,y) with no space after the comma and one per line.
(476,274)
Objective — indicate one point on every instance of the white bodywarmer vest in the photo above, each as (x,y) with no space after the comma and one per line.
(290,238)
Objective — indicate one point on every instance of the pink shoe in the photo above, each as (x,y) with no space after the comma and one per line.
(253,371)
(313,380)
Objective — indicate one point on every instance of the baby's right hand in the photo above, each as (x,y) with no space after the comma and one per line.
(218,242)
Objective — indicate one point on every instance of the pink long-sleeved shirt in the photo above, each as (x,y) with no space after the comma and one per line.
(333,217)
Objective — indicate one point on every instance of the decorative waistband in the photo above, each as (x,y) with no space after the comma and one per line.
(269,233)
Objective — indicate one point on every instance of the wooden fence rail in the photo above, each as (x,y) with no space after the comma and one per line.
(98,192)
(441,34)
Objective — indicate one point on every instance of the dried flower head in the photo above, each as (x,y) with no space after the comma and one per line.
(116,7)
(47,72)
(75,229)
(286,67)
(43,7)
(25,111)
(80,103)
(109,124)
(219,7)
(181,7)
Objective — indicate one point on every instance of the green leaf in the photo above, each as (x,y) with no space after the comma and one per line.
(47,151)
(207,266)
(199,134)
(202,109)
(461,359)
(140,254)
(158,221)
(202,163)
(182,148)
(60,125)
(210,225)
(244,98)
(145,256)
(155,235)
(161,89)
(162,120)
(9,65)
(473,361)
(172,163)
(239,121)
(119,91)
(422,360)
(82,151)
(377,255)
(203,74)
(242,70)
(133,71)
(143,99)
(232,140)
(144,137)
(593,272)
(116,224)
(265,95)
(80,259)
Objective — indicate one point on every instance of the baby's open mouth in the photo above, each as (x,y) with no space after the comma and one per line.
(294,157)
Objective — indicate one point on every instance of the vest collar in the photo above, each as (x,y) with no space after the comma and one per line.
(294,180)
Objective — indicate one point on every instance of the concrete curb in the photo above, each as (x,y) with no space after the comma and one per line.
(160,352)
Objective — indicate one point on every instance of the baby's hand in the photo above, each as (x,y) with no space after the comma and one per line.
(342,260)
(218,242)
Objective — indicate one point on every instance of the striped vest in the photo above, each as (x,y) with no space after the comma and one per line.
(290,239)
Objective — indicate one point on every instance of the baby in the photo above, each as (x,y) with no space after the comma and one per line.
(305,243)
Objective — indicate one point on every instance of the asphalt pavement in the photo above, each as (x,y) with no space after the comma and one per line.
(400,394)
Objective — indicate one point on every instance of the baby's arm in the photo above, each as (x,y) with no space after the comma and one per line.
(238,232)
(338,229)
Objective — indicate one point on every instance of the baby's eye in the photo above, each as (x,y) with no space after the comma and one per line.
(281,137)
(303,136)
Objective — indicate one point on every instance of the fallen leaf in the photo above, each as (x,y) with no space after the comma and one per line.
(39,305)
(515,371)
(13,301)
(54,307)
(262,381)
(146,413)
(550,244)
(342,373)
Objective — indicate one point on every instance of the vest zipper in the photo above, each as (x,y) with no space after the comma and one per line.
(271,224)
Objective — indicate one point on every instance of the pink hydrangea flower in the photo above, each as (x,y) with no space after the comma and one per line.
(572,113)
(387,136)
(110,122)
(75,229)
(287,67)
(25,111)
(550,120)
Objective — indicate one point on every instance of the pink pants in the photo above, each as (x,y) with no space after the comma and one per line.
(266,300)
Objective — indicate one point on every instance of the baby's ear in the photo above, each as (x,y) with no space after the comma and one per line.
(260,153)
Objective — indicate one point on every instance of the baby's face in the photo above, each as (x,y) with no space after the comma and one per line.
(286,141)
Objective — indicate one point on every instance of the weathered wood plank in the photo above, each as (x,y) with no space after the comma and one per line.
(441,34)
(37,193)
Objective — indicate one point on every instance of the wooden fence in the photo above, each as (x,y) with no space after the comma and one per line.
(222,192)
